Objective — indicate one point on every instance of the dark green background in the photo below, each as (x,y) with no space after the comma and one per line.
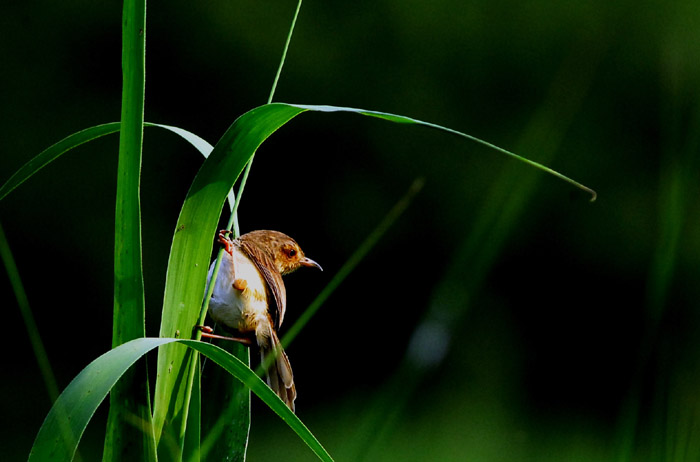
(547,312)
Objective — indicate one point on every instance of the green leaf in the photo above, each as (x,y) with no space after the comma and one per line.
(408,120)
(55,151)
(130,397)
(64,425)
(189,259)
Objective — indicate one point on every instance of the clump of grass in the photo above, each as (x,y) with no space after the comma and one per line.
(168,426)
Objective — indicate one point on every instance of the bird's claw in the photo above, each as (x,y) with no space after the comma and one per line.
(208,332)
(226,241)
(204,329)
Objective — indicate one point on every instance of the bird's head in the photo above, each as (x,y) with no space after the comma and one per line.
(282,249)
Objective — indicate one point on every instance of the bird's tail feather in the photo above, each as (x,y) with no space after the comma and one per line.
(279,375)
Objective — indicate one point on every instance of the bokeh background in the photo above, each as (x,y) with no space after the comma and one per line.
(503,316)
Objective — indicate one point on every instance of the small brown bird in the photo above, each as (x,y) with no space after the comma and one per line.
(249,297)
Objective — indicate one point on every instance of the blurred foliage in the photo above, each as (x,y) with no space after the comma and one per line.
(574,334)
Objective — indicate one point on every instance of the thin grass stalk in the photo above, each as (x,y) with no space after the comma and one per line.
(33,334)
(348,267)
(42,358)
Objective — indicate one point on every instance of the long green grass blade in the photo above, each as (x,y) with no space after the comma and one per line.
(79,401)
(189,259)
(55,151)
(408,120)
(130,397)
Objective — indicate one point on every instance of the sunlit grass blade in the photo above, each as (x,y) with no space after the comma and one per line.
(80,399)
(56,150)
(130,397)
(53,152)
(408,120)
(190,254)
(241,371)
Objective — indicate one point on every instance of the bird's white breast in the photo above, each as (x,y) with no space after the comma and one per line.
(238,309)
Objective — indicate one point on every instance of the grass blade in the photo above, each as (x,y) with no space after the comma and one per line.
(79,401)
(408,120)
(130,397)
(190,254)
(32,330)
(55,151)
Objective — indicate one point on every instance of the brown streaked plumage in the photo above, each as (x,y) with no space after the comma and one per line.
(249,296)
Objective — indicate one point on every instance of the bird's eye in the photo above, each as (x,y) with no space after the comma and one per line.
(289,251)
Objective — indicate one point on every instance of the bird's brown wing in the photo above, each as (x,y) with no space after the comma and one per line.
(272,277)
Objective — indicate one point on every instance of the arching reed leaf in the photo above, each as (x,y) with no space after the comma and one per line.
(79,401)
(55,151)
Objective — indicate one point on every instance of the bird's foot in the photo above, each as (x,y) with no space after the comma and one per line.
(208,332)
(226,241)
(240,284)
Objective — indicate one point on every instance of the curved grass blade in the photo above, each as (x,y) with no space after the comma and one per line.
(408,120)
(79,401)
(55,151)
(51,153)
(189,259)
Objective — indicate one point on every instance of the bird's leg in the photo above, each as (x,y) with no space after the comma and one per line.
(225,241)
(238,284)
(208,332)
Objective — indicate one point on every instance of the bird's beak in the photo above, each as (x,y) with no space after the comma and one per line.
(309,262)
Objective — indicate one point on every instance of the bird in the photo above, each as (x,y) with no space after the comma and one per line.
(249,298)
